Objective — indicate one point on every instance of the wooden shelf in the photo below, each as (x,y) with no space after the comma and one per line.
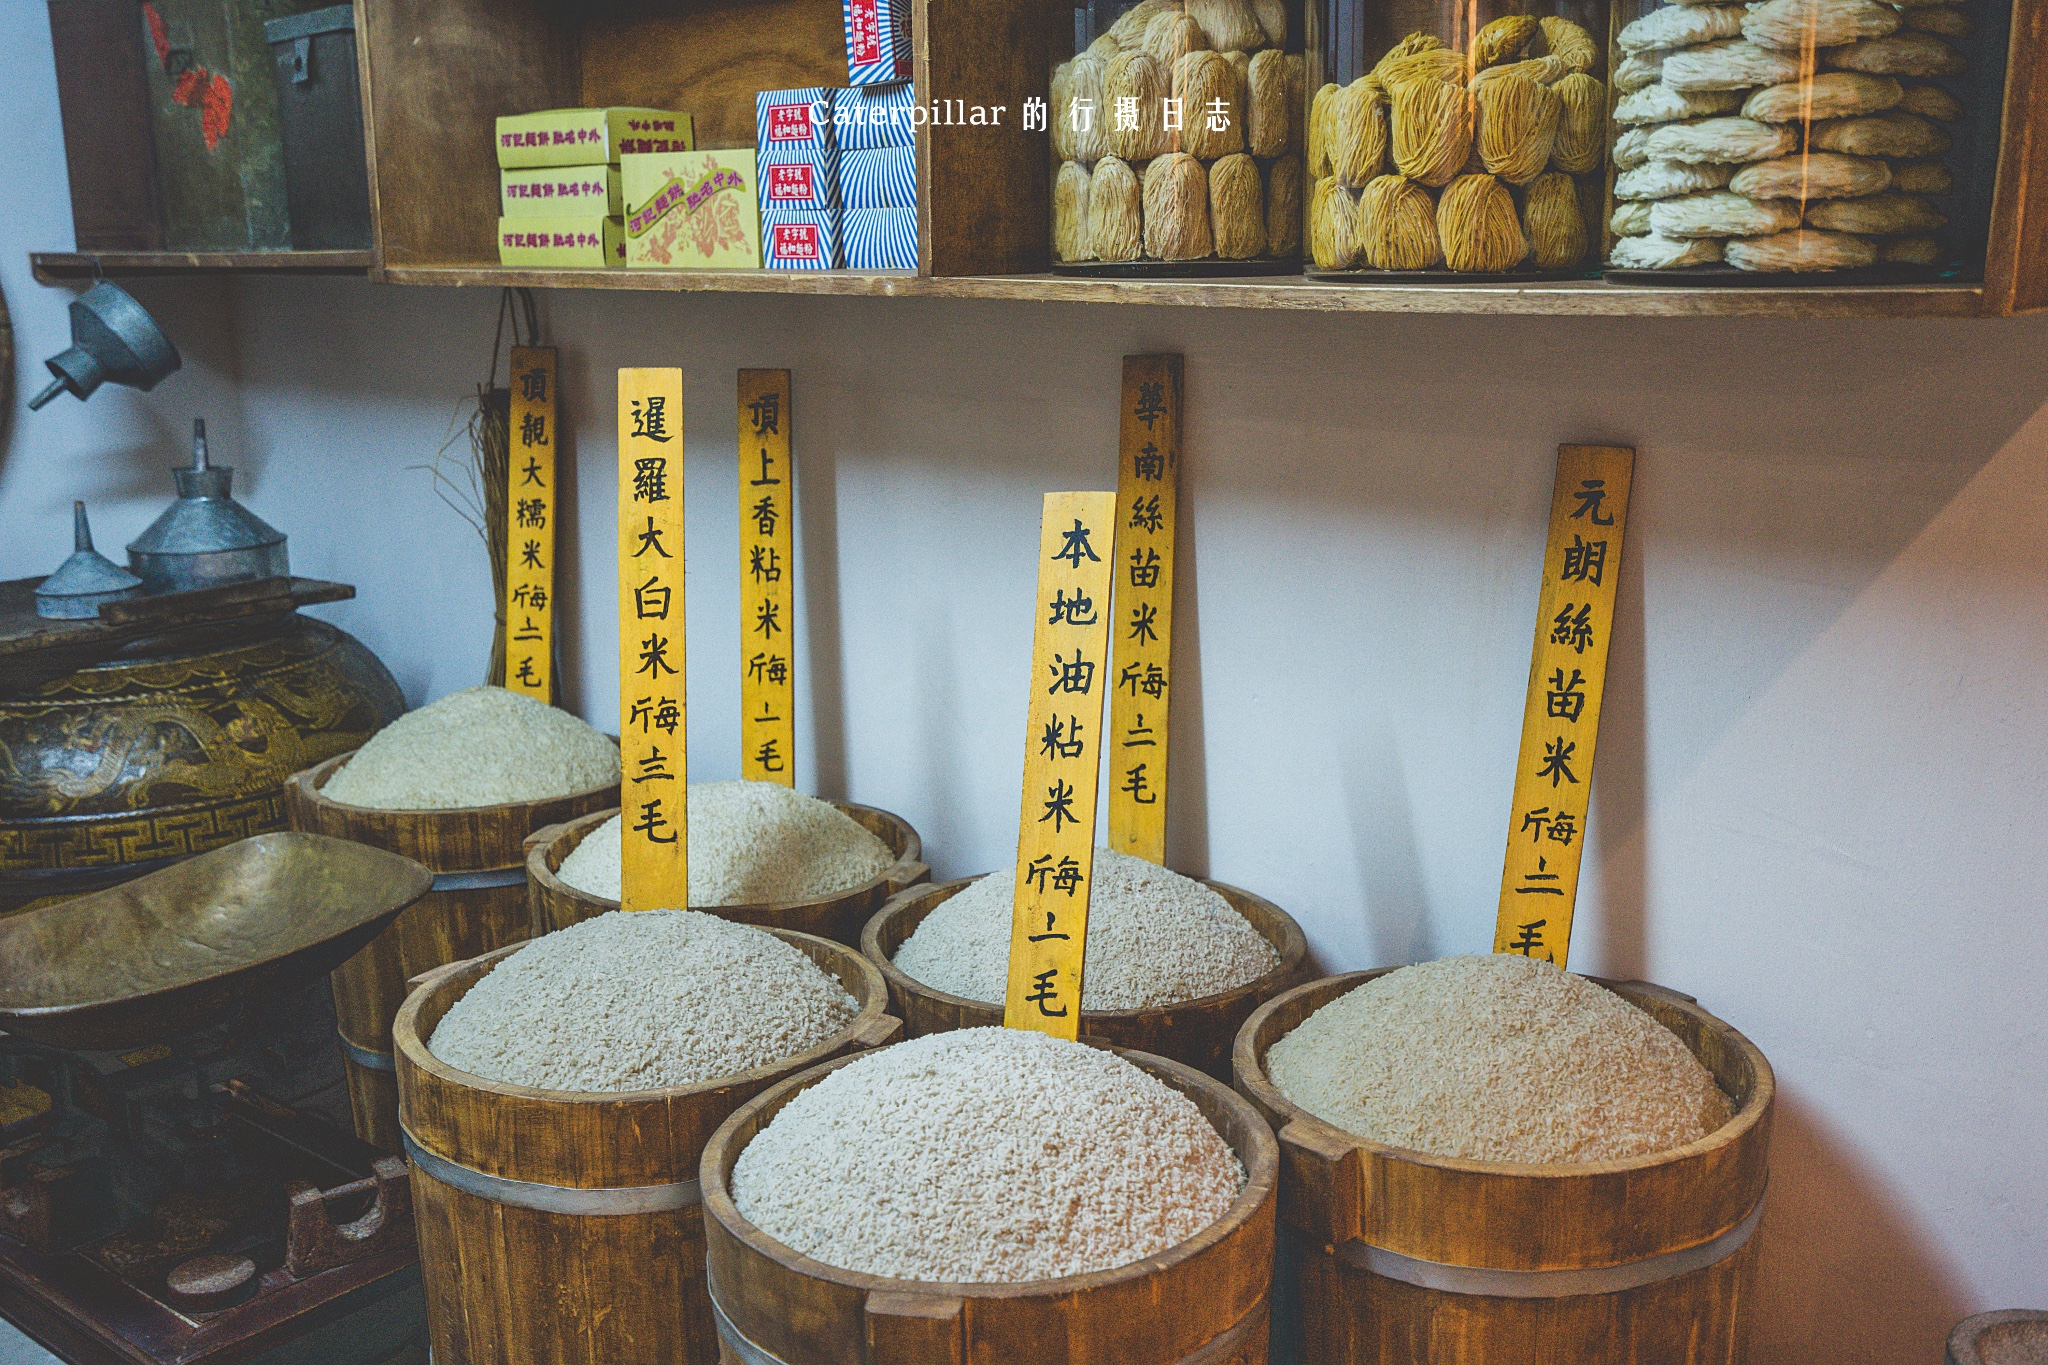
(51,266)
(1589,298)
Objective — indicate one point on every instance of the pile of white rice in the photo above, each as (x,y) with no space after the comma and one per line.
(483,746)
(751,843)
(1154,938)
(636,1001)
(986,1156)
(1498,1058)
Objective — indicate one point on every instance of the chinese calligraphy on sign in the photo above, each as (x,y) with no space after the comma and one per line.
(767,580)
(1148,477)
(655,863)
(1561,720)
(530,526)
(1063,745)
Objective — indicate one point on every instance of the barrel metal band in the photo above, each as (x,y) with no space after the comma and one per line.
(480,881)
(1216,1348)
(1551,1284)
(566,1199)
(362,1056)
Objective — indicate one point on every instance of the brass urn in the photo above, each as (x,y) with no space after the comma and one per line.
(124,765)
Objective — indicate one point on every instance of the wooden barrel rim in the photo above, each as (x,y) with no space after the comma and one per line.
(1262,1173)
(1744,1118)
(870,1027)
(1428,1211)
(909,865)
(1292,950)
(397,825)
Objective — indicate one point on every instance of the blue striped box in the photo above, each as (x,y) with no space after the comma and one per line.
(874,116)
(794,120)
(879,178)
(799,182)
(799,241)
(877,41)
(880,239)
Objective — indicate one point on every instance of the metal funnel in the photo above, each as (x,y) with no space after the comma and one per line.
(85,580)
(112,338)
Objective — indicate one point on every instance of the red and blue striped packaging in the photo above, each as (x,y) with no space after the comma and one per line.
(877,41)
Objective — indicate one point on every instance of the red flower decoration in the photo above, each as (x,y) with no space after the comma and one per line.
(218,108)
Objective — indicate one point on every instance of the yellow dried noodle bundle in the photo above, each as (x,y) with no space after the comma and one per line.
(1477,222)
(1212,125)
(1128,32)
(1169,37)
(1553,223)
(1358,133)
(1581,123)
(1116,220)
(1177,209)
(1431,64)
(1319,115)
(1332,227)
(1503,38)
(1137,77)
(1269,104)
(1087,143)
(1567,40)
(1397,225)
(1517,127)
(1237,208)
(1432,130)
(1070,213)
(1232,25)
(1283,206)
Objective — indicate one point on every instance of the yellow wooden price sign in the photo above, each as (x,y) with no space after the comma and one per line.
(654,801)
(1567,676)
(767,581)
(530,526)
(1148,475)
(1077,544)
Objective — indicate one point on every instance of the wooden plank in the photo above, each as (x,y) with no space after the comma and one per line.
(1587,298)
(1147,496)
(1062,762)
(103,102)
(2016,262)
(711,58)
(653,705)
(530,526)
(50,266)
(1539,885)
(767,579)
(984,196)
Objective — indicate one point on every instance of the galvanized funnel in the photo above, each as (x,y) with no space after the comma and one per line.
(85,580)
(112,338)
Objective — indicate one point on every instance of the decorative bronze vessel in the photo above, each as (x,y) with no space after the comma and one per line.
(178,744)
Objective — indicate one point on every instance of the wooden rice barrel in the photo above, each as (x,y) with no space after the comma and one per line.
(1196,1033)
(478,903)
(556,905)
(1206,1300)
(1411,1259)
(566,1228)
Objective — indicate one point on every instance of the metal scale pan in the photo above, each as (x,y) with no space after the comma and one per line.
(191,945)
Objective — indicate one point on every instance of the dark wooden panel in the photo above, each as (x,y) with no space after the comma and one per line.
(984,199)
(2016,264)
(712,58)
(437,74)
(103,98)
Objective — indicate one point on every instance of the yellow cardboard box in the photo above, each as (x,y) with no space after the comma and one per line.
(589,137)
(692,210)
(586,240)
(560,192)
